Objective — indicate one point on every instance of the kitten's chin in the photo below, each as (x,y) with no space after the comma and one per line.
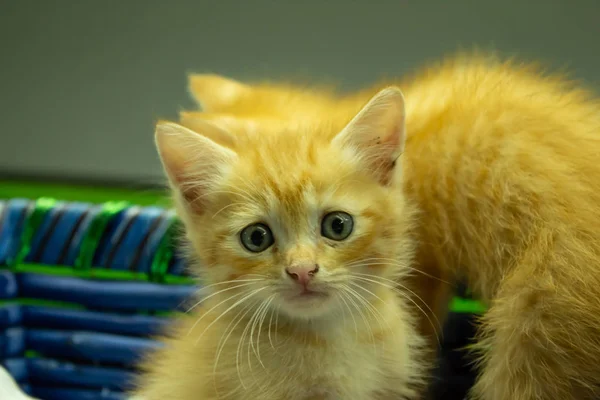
(306,305)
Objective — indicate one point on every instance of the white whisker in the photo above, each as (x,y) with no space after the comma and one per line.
(374,309)
(408,290)
(216,293)
(406,296)
(211,309)
(229,309)
(260,324)
(256,319)
(365,262)
(360,310)
(239,347)
(343,298)
(269,331)
(228,333)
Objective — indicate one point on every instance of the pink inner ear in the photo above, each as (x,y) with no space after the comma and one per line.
(188,188)
(377,133)
(395,148)
(386,171)
(193,199)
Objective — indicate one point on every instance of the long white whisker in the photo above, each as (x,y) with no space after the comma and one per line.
(365,319)
(269,332)
(213,308)
(408,290)
(239,347)
(216,293)
(365,262)
(260,324)
(406,296)
(343,315)
(229,309)
(342,297)
(374,309)
(228,333)
(256,319)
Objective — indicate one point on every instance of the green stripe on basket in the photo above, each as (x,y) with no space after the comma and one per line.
(165,252)
(99,274)
(34,220)
(94,233)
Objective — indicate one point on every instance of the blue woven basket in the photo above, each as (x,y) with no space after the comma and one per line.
(84,286)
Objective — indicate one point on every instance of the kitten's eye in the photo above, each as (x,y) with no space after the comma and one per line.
(337,225)
(257,237)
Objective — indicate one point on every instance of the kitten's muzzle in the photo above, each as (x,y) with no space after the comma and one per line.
(302,274)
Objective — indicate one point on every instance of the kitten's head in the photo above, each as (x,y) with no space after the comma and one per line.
(301,216)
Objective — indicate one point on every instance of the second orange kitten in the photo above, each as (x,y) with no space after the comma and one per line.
(502,162)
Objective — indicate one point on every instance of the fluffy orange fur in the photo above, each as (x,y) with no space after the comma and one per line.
(502,163)
(257,334)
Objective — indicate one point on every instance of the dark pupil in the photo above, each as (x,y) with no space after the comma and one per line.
(337,225)
(257,237)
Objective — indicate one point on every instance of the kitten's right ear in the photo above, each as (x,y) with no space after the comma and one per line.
(377,133)
(193,162)
(215,92)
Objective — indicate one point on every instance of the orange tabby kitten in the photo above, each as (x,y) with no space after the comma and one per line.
(503,164)
(301,234)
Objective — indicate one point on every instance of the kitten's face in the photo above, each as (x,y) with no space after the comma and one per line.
(310,225)
(304,220)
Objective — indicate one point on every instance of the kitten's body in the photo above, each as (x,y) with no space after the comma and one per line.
(321,361)
(504,165)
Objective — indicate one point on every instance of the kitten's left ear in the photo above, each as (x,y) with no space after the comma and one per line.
(215,92)
(377,133)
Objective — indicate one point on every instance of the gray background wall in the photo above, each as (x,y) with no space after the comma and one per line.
(82,81)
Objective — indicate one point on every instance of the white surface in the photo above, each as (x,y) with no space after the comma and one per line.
(9,389)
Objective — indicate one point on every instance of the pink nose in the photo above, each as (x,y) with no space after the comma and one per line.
(302,273)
